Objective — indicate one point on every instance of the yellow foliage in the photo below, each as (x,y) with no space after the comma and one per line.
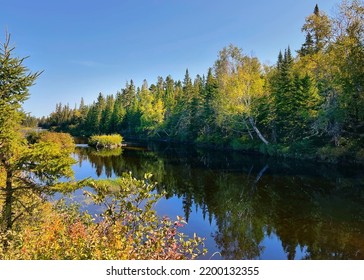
(64,140)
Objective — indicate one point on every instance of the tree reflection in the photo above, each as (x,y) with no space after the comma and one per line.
(316,207)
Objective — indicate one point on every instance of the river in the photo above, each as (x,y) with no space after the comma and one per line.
(246,206)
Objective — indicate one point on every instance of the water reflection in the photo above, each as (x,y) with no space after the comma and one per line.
(252,200)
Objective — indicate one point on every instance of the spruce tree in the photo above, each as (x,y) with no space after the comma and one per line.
(318,25)
(24,167)
(209,95)
(308,46)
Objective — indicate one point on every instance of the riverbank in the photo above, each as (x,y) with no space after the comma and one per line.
(347,153)
(304,150)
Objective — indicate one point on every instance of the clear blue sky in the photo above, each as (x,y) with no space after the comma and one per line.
(88,46)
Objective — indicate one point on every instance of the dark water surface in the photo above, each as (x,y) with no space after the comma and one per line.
(247,206)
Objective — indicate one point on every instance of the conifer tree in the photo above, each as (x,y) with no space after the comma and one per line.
(318,25)
(117,114)
(25,167)
(210,92)
(308,46)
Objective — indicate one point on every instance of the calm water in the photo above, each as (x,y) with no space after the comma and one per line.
(247,207)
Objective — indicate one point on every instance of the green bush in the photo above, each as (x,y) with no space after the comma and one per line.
(106,141)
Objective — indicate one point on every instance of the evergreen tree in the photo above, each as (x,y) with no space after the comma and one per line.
(130,102)
(182,116)
(118,114)
(308,47)
(105,122)
(284,95)
(318,25)
(210,92)
(24,167)
(92,123)
(169,98)
(196,107)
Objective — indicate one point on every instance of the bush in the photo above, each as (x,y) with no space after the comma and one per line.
(128,228)
(106,141)
(63,140)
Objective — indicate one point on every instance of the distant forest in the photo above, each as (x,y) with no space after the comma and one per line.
(309,104)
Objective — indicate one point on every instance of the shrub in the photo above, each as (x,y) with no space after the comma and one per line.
(106,141)
(63,140)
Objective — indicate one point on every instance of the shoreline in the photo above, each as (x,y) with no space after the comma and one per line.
(273,151)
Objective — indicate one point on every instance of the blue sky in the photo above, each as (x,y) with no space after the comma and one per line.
(88,46)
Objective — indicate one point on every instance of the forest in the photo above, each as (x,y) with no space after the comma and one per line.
(309,104)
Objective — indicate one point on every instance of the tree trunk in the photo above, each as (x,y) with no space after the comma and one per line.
(261,137)
(250,134)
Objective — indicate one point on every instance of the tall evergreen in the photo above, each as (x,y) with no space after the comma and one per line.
(117,115)
(283,89)
(210,92)
(24,167)
(318,25)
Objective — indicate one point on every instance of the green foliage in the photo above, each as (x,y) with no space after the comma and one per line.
(106,141)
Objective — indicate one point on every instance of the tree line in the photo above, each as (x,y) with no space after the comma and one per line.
(308,102)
